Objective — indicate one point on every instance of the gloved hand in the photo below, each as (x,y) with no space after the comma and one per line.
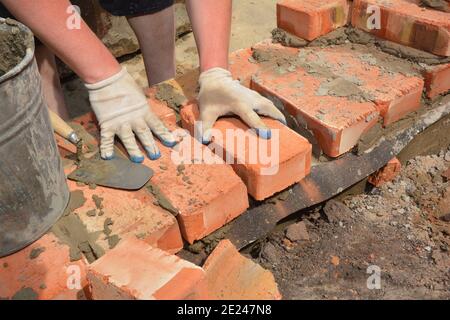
(220,95)
(121,109)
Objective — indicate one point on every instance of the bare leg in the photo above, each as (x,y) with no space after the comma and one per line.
(50,81)
(156,35)
(211,21)
(79,48)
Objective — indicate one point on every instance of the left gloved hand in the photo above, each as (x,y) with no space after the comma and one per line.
(220,95)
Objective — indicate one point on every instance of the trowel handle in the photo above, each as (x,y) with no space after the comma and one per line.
(62,128)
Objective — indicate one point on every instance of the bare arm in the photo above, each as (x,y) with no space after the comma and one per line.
(80,48)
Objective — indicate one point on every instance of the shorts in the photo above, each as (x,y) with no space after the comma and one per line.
(4,13)
(135,7)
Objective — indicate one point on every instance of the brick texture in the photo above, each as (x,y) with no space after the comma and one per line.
(310,19)
(406,23)
(136,271)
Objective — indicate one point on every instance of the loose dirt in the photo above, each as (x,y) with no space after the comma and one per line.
(399,228)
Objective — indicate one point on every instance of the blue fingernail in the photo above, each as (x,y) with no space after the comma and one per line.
(153,156)
(169,144)
(205,141)
(137,159)
(264,133)
(108,157)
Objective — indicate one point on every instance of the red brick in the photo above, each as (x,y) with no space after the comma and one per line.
(407,23)
(338,119)
(133,213)
(310,19)
(394,93)
(263,179)
(437,80)
(47,273)
(386,174)
(231,276)
(136,271)
(207,196)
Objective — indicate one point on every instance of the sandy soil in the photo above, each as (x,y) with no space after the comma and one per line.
(398,228)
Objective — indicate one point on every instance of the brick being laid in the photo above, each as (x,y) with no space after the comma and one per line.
(135,270)
(265,166)
(310,19)
(404,22)
(338,92)
(204,191)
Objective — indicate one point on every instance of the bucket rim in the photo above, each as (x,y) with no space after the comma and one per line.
(29,55)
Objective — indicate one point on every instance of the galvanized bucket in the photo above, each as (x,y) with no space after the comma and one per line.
(33,188)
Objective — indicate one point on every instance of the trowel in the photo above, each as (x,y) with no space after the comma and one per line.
(118,173)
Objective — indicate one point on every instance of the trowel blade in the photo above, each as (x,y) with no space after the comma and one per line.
(118,173)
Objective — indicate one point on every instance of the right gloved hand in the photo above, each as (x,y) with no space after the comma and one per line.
(121,109)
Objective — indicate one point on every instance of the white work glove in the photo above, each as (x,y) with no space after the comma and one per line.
(121,109)
(220,95)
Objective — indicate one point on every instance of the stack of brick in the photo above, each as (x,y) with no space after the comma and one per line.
(406,22)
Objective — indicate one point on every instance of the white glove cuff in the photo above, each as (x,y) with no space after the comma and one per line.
(214,74)
(108,81)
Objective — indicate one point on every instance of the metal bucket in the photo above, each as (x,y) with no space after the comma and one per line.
(33,188)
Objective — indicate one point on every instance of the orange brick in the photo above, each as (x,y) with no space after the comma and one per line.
(206,196)
(437,80)
(160,108)
(231,276)
(387,173)
(133,213)
(42,271)
(394,93)
(242,67)
(136,271)
(291,153)
(310,19)
(406,23)
(324,89)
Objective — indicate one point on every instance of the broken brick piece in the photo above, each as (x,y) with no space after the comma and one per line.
(265,166)
(404,22)
(386,174)
(231,276)
(437,80)
(43,271)
(310,19)
(297,232)
(136,271)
